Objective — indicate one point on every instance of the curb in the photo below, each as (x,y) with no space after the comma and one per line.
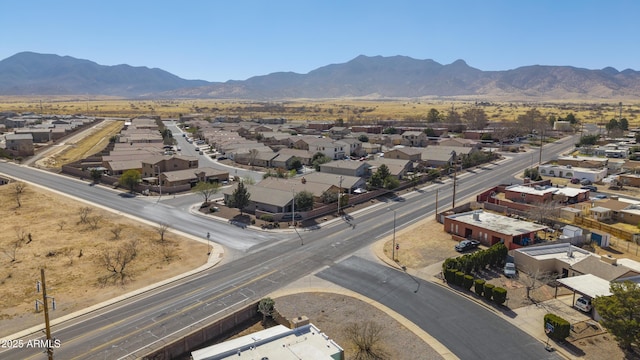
(215,257)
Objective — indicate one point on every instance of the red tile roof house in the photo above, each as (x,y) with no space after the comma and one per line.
(489,229)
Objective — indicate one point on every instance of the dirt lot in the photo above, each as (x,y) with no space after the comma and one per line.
(46,232)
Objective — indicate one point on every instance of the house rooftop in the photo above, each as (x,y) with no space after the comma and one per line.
(278,342)
(498,223)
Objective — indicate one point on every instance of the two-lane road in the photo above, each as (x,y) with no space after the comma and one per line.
(132,328)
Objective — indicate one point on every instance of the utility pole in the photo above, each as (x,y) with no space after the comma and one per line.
(339,194)
(541,141)
(46,316)
(436,204)
(293,208)
(455,175)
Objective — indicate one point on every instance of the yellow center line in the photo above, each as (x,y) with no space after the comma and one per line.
(139,330)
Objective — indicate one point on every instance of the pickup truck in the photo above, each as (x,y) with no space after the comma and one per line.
(465,245)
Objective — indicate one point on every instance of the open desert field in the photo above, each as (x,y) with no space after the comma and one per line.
(82,249)
(349,110)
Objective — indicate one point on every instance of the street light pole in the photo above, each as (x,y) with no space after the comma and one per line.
(393,247)
(208,243)
(159,181)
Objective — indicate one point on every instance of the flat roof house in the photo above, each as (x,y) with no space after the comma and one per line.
(490,228)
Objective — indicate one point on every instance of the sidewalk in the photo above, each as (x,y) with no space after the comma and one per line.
(215,256)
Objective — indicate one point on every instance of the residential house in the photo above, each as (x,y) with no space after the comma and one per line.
(437,156)
(285,156)
(568,172)
(490,228)
(347,184)
(19,144)
(545,194)
(262,199)
(353,145)
(405,153)
(414,138)
(304,341)
(339,132)
(153,166)
(459,142)
(370,148)
(332,149)
(398,168)
(346,167)
(369,129)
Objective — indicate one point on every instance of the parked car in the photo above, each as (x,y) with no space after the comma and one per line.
(222,158)
(589,187)
(585,181)
(509,269)
(584,304)
(575,181)
(465,245)
(600,196)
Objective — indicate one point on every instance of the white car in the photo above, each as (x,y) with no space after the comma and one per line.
(509,269)
(584,304)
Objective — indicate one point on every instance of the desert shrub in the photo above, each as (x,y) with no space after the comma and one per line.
(499,295)
(266,217)
(479,286)
(488,291)
(467,282)
(561,327)
(450,275)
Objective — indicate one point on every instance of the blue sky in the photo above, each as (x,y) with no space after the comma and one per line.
(236,39)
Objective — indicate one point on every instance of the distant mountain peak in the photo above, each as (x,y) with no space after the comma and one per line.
(398,76)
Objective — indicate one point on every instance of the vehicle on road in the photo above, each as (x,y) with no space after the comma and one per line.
(465,245)
(584,304)
(510,269)
(589,187)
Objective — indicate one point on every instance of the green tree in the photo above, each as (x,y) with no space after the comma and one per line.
(430,132)
(375,181)
(433,116)
(363,138)
(612,125)
(533,120)
(476,118)
(391,183)
(624,124)
(296,164)
(620,312)
(304,201)
(96,175)
(266,307)
(317,161)
(130,179)
(383,171)
(571,119)
(390,130)
(588,140)
(206,190)
(240,197)
(338,122)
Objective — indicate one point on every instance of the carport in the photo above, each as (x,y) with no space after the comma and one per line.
(587,285)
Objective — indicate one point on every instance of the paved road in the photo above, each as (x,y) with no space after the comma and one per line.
(467,329)
(131,328)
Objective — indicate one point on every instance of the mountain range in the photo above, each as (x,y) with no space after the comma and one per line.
(376,77)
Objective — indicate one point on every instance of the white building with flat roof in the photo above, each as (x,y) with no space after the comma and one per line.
(275,343)
(568,172)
